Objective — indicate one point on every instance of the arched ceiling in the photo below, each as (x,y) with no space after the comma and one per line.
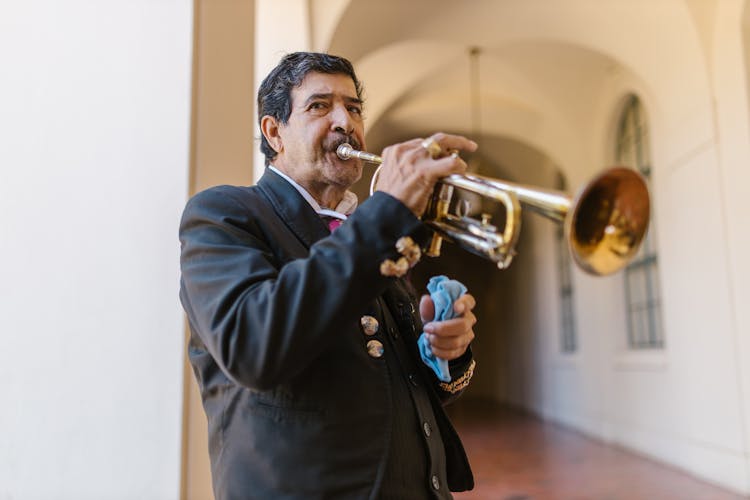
(531,92)
(543,66)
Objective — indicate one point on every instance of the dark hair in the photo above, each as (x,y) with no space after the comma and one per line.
(275,93)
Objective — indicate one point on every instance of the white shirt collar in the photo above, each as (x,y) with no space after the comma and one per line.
(345,207)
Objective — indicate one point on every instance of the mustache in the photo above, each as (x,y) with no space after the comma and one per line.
(331,145)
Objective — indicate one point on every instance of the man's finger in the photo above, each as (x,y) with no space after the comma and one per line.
(452,327)
(449,142)
(426,309)
(466,302)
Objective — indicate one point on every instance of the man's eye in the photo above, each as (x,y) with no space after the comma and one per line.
(355,110)
(318,105)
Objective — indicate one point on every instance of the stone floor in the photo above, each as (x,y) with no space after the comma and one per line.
(518,457)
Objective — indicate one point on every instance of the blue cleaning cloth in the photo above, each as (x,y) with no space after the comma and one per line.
(443,292)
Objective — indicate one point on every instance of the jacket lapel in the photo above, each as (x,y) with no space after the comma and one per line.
(292,208)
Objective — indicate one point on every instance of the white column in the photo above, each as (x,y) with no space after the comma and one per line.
(94,127)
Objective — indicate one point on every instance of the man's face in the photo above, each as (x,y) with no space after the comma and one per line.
(326,112)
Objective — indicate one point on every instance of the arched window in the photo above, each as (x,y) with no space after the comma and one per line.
(642,294)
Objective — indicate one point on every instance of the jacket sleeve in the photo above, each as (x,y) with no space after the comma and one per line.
(262,320)
(462,370)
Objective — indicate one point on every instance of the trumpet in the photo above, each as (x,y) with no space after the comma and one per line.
(604,223)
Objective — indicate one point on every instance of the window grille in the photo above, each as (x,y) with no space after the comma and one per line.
(569,337)
(569,340)
(642,293)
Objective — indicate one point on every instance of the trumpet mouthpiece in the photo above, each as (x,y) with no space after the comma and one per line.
(344,151)
(347,152)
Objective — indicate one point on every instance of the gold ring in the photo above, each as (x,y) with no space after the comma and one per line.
(432,147)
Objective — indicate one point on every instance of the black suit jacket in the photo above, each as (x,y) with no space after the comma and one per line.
(296,406)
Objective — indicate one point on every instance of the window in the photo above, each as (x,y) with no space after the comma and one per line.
(569,339)
(642,294)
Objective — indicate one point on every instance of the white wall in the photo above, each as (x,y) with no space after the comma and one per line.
(94,142)
(224,129)
(683,405)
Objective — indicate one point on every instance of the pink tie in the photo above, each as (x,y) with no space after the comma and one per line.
(333,224)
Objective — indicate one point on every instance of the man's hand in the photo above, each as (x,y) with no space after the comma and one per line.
(449,339)
(409,171)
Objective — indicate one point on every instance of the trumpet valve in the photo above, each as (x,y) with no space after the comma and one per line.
(433,250)
(506,257)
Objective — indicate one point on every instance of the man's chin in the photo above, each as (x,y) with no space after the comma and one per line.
(346,172)
(349,178)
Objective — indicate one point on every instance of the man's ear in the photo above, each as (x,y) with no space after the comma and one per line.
(270,129)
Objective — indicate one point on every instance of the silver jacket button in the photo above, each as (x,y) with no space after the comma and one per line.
(435,482)
(369,325)
(375,348)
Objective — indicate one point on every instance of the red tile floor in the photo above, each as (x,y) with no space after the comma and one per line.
(518,457)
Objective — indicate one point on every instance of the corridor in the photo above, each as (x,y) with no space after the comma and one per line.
(518,457)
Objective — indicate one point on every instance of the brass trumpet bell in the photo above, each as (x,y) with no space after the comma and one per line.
(608,221)
(604,223)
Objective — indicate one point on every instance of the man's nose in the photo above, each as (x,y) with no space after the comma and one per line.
(341,120)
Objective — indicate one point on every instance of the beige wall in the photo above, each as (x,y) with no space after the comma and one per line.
(224,104)
(236,43)
(223,144)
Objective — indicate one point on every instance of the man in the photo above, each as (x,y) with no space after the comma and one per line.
(303,340)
